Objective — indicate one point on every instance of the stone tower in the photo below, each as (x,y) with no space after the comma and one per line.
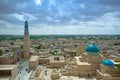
(26,46)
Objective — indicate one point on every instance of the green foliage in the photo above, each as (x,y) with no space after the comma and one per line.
(21,46)
(11,37)
(81,37)
(1,52)
(11,43)
(51,52)
(64,42)
(54,52)
(38,47)
(118,66)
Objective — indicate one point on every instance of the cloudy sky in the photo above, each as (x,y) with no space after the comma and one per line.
(60,16)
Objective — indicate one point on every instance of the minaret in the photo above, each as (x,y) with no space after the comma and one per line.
(26,54)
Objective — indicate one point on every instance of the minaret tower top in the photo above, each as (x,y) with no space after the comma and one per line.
(26,28)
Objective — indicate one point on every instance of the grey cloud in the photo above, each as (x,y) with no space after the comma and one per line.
(110,2)
(59,12)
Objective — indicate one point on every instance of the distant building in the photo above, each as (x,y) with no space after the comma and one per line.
(69,52)
(26,53)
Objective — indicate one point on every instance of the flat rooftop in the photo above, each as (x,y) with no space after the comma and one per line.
(52,59)
(34,58)
(69,50)
(82,63)
(116,62)
(7,67)
(78,57)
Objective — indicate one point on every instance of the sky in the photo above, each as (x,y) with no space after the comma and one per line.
(54,17)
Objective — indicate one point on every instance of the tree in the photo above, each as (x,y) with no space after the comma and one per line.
(118,66)
(21,46)
(38,47)
(1,52)
(11,43)
(54,52)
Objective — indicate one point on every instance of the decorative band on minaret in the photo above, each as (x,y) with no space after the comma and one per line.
(26,41)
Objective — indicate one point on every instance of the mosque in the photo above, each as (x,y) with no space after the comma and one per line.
(108,69)
(89,61)
(92,63)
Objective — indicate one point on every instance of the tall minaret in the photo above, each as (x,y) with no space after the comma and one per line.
(26,47)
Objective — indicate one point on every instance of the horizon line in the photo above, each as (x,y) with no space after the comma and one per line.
(59,34)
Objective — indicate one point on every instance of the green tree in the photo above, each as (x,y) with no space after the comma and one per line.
(11,43)
(1,52)
(38,47)
(21,46)
(54,52)
(118,66)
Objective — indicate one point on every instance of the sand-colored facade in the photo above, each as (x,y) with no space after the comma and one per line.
(33,62)
(9,70)
(26,47)
(56,61)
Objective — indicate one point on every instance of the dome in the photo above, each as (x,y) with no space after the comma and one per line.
(92,49)
(108,62)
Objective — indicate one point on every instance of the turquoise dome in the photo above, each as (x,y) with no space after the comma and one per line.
(108,62)
(92,49)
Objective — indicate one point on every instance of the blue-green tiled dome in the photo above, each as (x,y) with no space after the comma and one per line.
(108,62)
(92,49)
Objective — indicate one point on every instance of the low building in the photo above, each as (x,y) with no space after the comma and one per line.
(56,61)
(44,60)
(55,75)
(35,74)
(33,62)
(84,68)
(9,71)
(108,71)
(11,57)
(69,52)
(8,58)
(80,49)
